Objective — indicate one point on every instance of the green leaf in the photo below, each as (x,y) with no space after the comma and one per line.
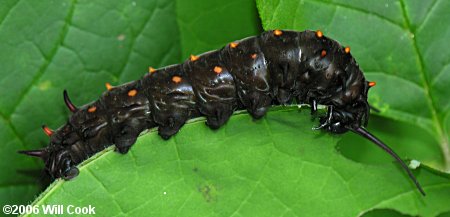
(399,44)
(276,166)
(270,167)
(48,46)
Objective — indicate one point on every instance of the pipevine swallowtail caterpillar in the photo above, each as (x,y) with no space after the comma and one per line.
(274,68)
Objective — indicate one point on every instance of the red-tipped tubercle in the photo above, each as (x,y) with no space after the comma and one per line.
(47,130)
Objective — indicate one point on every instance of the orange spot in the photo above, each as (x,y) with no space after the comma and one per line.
(108,86)
(92,109)
(319,34)
(132,93)
(176,79)
(234,44)
(347,49)
(217,69)
(151,70)
(323,53)
(47,130)
(372,83)
(254,56)
(194,58)
(277,32)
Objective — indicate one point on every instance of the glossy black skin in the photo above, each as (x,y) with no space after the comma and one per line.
(286,67)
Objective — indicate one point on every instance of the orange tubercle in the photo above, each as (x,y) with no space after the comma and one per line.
(194,58)
(217,69)
(253,56)
(319,34)
(108,86)
(47,130)
(176,79)
(372,83)
(277,32)
(92,109)
(323,53)
(151,70)
(347,49)
(234,44)
(132,93)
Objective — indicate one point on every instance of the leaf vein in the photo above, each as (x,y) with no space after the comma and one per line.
(9,12)
(444,143)
(133,42)
(43,68)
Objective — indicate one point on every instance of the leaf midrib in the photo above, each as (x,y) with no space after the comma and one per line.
(426,85)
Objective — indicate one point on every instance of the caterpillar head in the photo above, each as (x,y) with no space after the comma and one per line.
(86,132)
(56,156)
(350,112)
(58,162)
(350,109)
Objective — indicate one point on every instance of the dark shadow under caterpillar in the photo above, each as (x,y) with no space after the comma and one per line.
(276,67)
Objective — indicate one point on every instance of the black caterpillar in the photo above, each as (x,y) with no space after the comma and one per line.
(277,67)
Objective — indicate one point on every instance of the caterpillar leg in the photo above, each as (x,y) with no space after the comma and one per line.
(258,112)
(217,114)
(170,125)
(336,121)
(257,104)
(313,106)
(325,121)
(126,139)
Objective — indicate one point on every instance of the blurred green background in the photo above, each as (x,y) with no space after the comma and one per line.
(48,46)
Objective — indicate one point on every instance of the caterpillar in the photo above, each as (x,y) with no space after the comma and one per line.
(278,67)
